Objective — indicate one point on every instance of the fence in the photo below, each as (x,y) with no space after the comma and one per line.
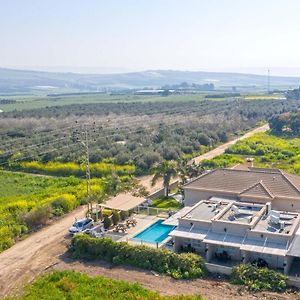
(151,211)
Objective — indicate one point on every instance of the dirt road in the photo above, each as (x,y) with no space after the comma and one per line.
(32,256)
(221,149)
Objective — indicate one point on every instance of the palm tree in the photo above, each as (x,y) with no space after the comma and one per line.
(195,170)
(165,170)
(183,170)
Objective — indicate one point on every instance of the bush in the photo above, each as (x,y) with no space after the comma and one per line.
(115,217)
(38,216)
(258,279)
(64,204)
(106,222)
(186,265)
(124,215)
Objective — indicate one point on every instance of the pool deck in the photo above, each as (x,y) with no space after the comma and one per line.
(143,222)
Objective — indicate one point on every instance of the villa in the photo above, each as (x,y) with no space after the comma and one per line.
(244,216)
(253,185)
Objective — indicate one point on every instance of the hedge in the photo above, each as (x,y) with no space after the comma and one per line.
(185,265)
(258,279)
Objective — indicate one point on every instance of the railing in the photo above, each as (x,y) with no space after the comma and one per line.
(151,211)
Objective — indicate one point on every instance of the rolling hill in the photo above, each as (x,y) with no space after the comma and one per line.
(21,81)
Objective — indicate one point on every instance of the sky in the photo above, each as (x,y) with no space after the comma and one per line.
(133,35)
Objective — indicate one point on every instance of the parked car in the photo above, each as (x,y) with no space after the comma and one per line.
(81,225)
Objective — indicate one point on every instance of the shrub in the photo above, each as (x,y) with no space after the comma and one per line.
(64,204)
(106,213)
(38,216)
(115,217)
(124,215)
(6,239)
(258,279)
(186,265)
(106,222)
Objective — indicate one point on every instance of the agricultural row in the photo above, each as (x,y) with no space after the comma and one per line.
(139,134)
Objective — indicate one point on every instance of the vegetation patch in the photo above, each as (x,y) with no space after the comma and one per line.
(185,265)
(258,279)
(75,285)
(269,150)
(28,201)
(151,131)
(166,203)
(222,161)
(74,169)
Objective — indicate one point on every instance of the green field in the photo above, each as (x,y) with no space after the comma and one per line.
(269,151)
(25,102)
(32,102)
(27,201)
(74,285)
(20,194)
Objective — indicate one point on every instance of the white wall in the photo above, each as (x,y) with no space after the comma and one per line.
(191,197)
(292,205)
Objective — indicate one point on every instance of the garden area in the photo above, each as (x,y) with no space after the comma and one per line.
(166,203)
(184,265)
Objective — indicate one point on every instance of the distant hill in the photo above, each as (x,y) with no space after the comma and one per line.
(20,81)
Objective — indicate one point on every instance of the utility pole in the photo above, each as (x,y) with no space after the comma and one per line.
(85,143)
(87,167)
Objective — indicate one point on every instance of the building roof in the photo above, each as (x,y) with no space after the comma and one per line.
(224,239)
(123,201)
(258,189)
(192,233)
(256,182)
(265,246)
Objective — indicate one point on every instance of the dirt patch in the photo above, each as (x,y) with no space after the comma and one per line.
(210,289)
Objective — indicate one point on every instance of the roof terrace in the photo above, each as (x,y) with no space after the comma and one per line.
(277,222)
(206,210)
(241,213)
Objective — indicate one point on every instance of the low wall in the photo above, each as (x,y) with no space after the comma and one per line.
(213,268)
(160,192)
(293,281)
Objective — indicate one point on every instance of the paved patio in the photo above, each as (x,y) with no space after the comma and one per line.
(143,222)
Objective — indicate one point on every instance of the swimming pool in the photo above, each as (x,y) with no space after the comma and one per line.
(156,233)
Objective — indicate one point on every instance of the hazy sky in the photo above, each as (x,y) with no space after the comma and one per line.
(151,34)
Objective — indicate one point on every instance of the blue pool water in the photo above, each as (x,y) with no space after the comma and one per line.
(156,233)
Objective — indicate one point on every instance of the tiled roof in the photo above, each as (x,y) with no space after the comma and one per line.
(254,182)
(257,189)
